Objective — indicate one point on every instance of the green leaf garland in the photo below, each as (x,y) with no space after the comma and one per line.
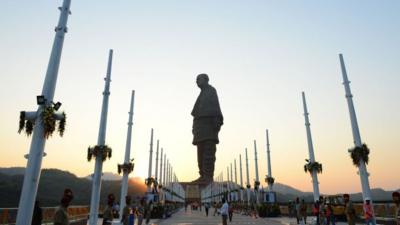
(359,153)
(313,166)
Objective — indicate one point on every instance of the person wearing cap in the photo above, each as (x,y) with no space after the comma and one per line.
(368,212)
(108,215)
(349,210)
(61,214)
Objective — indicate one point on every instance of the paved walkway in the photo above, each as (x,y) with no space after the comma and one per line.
(199,218)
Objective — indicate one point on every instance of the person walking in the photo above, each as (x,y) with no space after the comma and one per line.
(207,207)
(322,211)
(303,211)
(230,212)
(330,217)
(148,210)
(349,210)
(37,216)
(116,210)
(315,211)
(108,214)
(215,208)
(61,214)
(126,211)
(140,212)
(396,201)
(297,210)
(368,212)
(224,212)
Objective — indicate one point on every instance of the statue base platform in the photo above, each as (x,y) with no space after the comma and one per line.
(193,191)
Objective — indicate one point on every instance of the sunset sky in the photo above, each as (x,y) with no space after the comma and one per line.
(259,55)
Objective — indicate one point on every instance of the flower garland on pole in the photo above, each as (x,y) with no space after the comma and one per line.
(99,150)
(50,118)
(312,166)
(270,180)
(359,153)
(126,167)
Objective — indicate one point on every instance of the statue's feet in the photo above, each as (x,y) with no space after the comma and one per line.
(202,180)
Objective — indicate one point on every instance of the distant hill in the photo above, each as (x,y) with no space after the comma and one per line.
(286,189)
(106,176)
(52,184)
(13,171)
(378,194)
(286,193)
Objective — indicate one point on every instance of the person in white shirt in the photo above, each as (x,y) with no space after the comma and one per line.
(224,212)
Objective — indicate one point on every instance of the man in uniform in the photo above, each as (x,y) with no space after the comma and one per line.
(61,214)
(207,121)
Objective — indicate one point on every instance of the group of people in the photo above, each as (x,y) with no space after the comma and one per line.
(226,211)
(61,214)
(129,213)
(351,214)
(300,210)
(322,209)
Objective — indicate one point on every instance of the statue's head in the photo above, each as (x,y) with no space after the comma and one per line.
(202,80)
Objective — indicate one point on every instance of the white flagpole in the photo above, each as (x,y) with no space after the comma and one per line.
(362,168)
(96,187)
(311,150)
(127,167)
(36,151)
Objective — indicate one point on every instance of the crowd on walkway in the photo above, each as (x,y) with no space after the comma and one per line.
(141,211)
(322,210)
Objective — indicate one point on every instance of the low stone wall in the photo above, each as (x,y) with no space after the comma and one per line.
(77,214)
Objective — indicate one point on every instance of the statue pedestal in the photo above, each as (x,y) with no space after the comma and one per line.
(192,192)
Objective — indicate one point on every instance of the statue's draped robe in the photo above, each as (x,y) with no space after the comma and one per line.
(207,121)
(207,116)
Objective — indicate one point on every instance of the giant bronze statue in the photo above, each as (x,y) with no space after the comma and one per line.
(207,121)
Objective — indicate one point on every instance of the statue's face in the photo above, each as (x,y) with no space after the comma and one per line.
(201,81)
